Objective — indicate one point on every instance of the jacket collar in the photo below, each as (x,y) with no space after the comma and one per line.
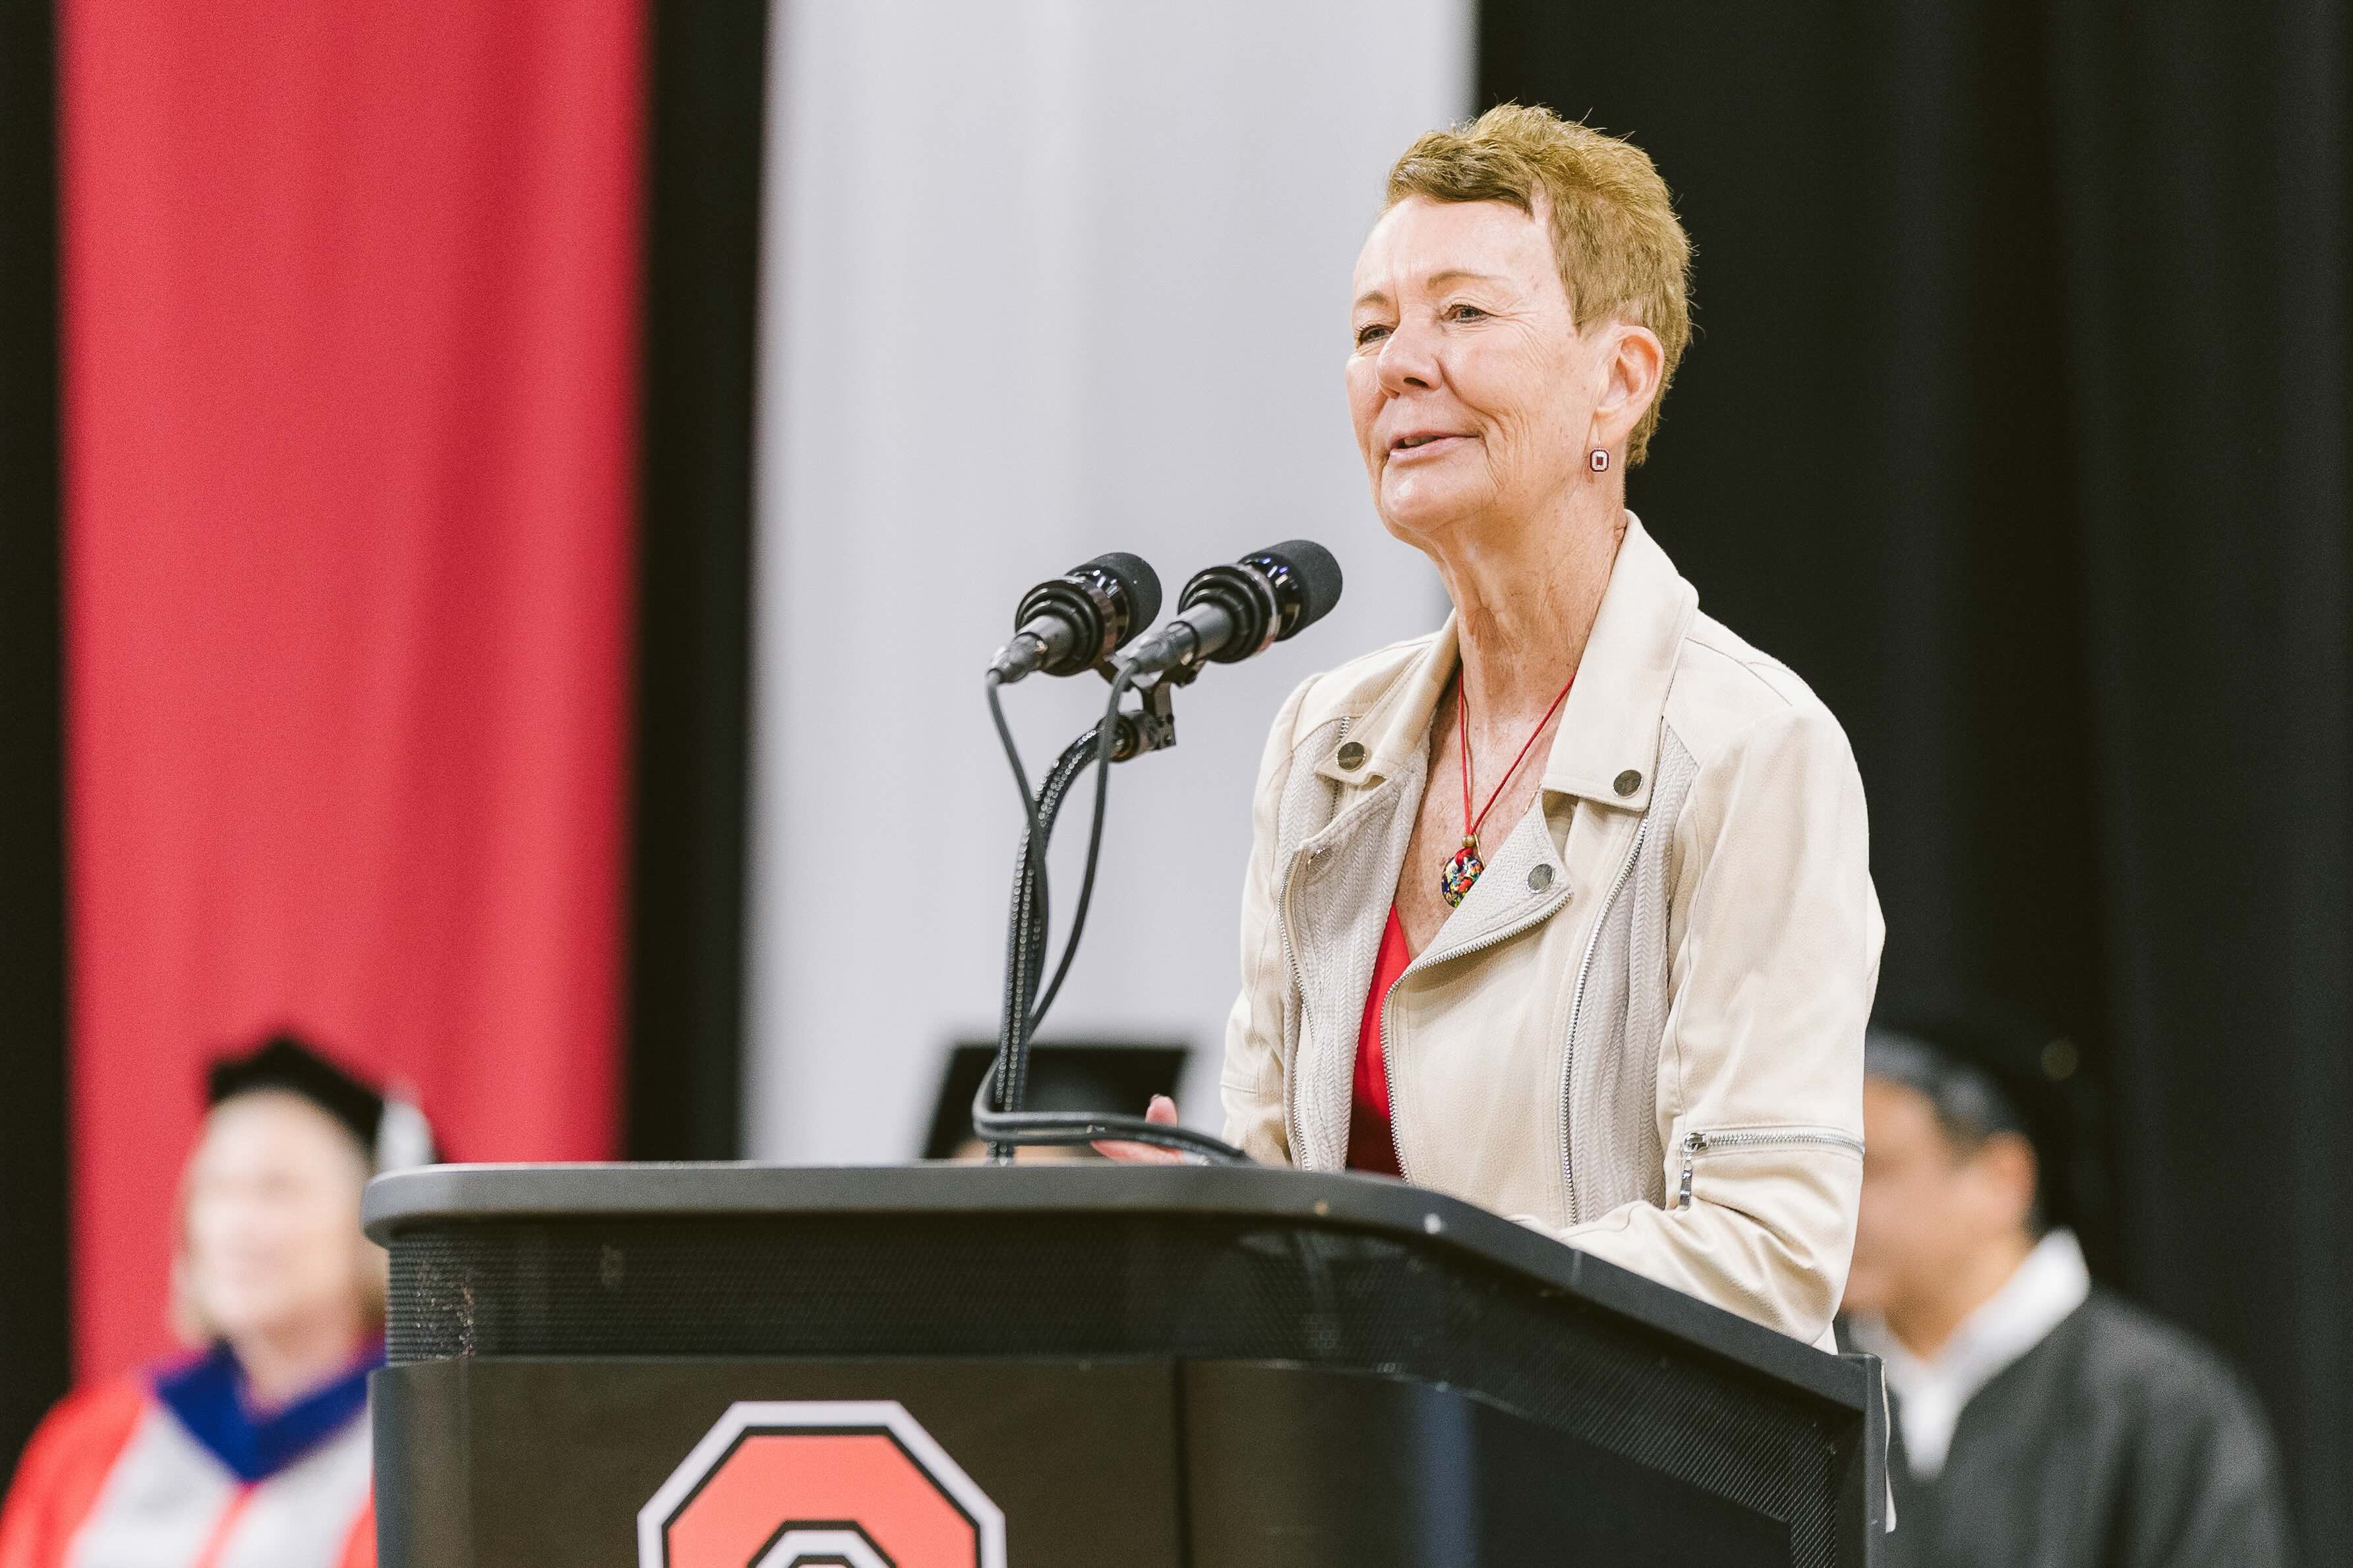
(1609,727)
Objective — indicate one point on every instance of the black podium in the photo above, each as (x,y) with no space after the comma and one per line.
(1051,1366)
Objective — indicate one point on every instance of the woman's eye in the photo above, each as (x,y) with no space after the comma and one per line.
(1371,332)
(1465,313)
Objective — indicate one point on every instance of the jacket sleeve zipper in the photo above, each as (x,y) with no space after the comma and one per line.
(1697,1142)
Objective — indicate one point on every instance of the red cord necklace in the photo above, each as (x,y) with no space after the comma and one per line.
(1464,867)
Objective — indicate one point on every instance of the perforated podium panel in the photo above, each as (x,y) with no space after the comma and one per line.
(682,1366)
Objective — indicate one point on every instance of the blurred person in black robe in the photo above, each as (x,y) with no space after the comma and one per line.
(2037,1420)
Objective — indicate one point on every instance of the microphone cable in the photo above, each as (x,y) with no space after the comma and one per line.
(1106,736)
(1034,849)
(1026,924)
(1026,929)
(996,1109)
(1026,934)
(1101,740)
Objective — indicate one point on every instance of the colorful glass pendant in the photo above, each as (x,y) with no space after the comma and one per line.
(1461,872)
(1464,868)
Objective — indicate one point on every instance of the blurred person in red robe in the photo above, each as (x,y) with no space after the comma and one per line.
(254,1452)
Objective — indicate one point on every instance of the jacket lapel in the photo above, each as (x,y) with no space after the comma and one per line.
(1511,895)
(1337,885)
(1606,749)
(1335,905)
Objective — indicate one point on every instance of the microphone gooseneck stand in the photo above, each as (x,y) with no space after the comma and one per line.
(996,1110)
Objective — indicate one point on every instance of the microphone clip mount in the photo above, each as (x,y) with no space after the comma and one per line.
(1150,725)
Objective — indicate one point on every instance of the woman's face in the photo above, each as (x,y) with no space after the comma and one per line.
(273,1222)
(1470,388)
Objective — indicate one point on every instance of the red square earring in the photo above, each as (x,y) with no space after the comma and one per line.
(1600,459)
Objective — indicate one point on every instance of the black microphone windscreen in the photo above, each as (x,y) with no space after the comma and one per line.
(1317,574)
(1134,574)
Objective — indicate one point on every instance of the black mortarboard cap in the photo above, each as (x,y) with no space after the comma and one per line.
(286,1063)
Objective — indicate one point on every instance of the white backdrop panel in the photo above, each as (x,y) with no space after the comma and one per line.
(1043,277)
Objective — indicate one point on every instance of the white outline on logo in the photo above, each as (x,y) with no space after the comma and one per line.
(888,1413)
(798,1546)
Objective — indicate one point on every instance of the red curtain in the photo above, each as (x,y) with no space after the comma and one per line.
(350,303)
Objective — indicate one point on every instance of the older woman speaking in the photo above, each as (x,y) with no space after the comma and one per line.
(1565,909)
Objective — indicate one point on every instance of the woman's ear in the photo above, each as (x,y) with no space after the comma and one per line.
(1633,361)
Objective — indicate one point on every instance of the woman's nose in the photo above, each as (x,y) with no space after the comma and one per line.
(1408,359)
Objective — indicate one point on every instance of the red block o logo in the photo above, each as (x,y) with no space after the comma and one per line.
(848,1484)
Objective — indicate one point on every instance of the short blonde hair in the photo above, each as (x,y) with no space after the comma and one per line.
(1614,231)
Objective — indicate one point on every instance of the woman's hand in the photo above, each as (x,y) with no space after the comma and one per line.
(1162,1111)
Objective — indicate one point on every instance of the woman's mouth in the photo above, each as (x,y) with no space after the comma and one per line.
(1421,445)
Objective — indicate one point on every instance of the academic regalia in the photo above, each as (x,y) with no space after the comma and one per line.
(175,1471)
(2114,1440)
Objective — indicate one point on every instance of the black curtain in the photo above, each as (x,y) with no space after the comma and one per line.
(2016,424)
(702,223)
(33,1300)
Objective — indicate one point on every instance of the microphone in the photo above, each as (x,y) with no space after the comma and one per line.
(1228,613)
(1074,622)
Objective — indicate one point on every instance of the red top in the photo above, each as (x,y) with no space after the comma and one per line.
(1371,1146)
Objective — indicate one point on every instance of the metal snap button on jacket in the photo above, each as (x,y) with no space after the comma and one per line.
(1352,755)
(1539,878)
(1628,782)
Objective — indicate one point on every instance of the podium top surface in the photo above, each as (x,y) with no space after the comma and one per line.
(436,1197)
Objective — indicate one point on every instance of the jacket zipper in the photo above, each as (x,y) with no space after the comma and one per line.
(1291,1068)
(1389,1076)
(1697,1142)
(1577,1010)
(1502,934)
(1291,1127)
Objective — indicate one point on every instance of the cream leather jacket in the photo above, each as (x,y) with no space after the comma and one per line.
(1642,1031)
